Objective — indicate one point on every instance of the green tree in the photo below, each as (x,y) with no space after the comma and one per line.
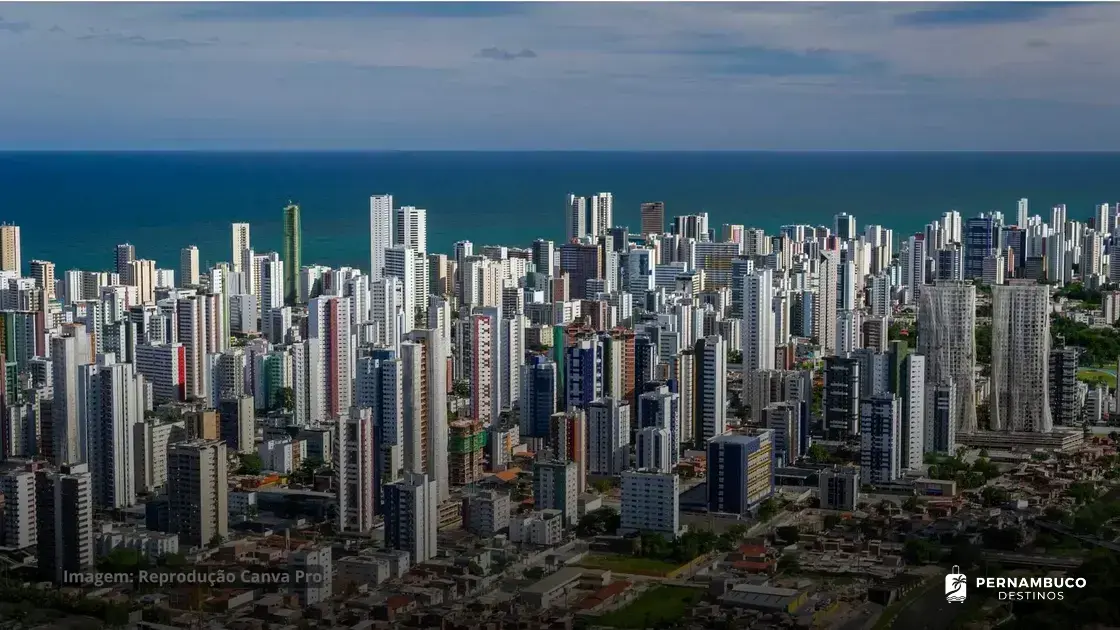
(251,464)
(819,454)
(461,389)
(919,551)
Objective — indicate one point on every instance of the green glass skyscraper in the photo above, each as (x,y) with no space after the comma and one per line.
(291,254)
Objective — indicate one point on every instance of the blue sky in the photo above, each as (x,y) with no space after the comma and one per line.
(784,76)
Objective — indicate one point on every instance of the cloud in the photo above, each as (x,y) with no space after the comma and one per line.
(1038,43)
(501,54)
(14,27)
(979,14)
(283,11)
(167,43)
(777,62)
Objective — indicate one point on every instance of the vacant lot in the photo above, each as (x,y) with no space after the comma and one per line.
(629,564)
(662,604)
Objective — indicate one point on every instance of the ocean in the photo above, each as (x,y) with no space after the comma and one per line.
(74,207)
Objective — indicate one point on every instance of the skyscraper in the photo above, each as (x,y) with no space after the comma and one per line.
(842,392)
(239,246)
(424,405)
(947,339)
(538,396)
(197,491)
(10,257)
(124,254)
(188,266)
(412,516)
(380,233)
(601,207)
(64,506)
(358,490)
(880,431)
(291,253)
(575,217)
(1065,403)
(912,414)
(758,321)
(331,361)
(43,273)
(711,389)
(111,402)
(653,218)
(608,431)
(825,304)
(71,350)
(979,243)
(1020,358)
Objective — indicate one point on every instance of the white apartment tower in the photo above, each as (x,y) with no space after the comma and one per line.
(758,321)
(1020,358)
(412,516)
(188,266)
(380,233)
(241,244)
(947,339)
(331,360)
(650,502)
(111,402)
(608,441)
(575,217)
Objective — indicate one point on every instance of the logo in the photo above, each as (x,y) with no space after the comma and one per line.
(956,586)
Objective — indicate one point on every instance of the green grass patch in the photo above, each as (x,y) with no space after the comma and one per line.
(660,605)
(1094,375)
(629,564)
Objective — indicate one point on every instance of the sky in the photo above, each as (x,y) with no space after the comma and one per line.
(1000,76)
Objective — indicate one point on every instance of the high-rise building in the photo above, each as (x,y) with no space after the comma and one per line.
(601,209)
(1022,213)
(758,321)
(842,393)
(291,253)
(19,518)
(660,408)
(653,218)
(358,488)
(1065,403)
(311,575)
(941,418)
(64,506)
(845,226)
(111,401)
(653,447)
(124,254)
(825,303)
(163,366)
(947,339)
(788,431)
(650,502)
(188,266)
(555,487)
(380,233)
(979,243)
(424,405)
(198,491)
(575,217)
(240,246)
(1020,358)
(69,352)
(465,448)
(331,361)
(880,432)
(10,257)
(710,415)
(44,274)
(412,516)
(567,438)
(538,396)
(740,472)
(608,441)
(582,262)
(912,416)
(839,488)
(237,423)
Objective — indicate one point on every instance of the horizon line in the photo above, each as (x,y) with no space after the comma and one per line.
(11,151)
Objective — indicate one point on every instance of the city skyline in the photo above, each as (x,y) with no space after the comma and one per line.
(784,76)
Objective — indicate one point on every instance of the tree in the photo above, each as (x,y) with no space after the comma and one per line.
(819,454)
(911,504)
(919,551)
(461,389)
(251,464)
(285,399)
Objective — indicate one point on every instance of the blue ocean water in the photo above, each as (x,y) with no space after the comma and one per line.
(74,207)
